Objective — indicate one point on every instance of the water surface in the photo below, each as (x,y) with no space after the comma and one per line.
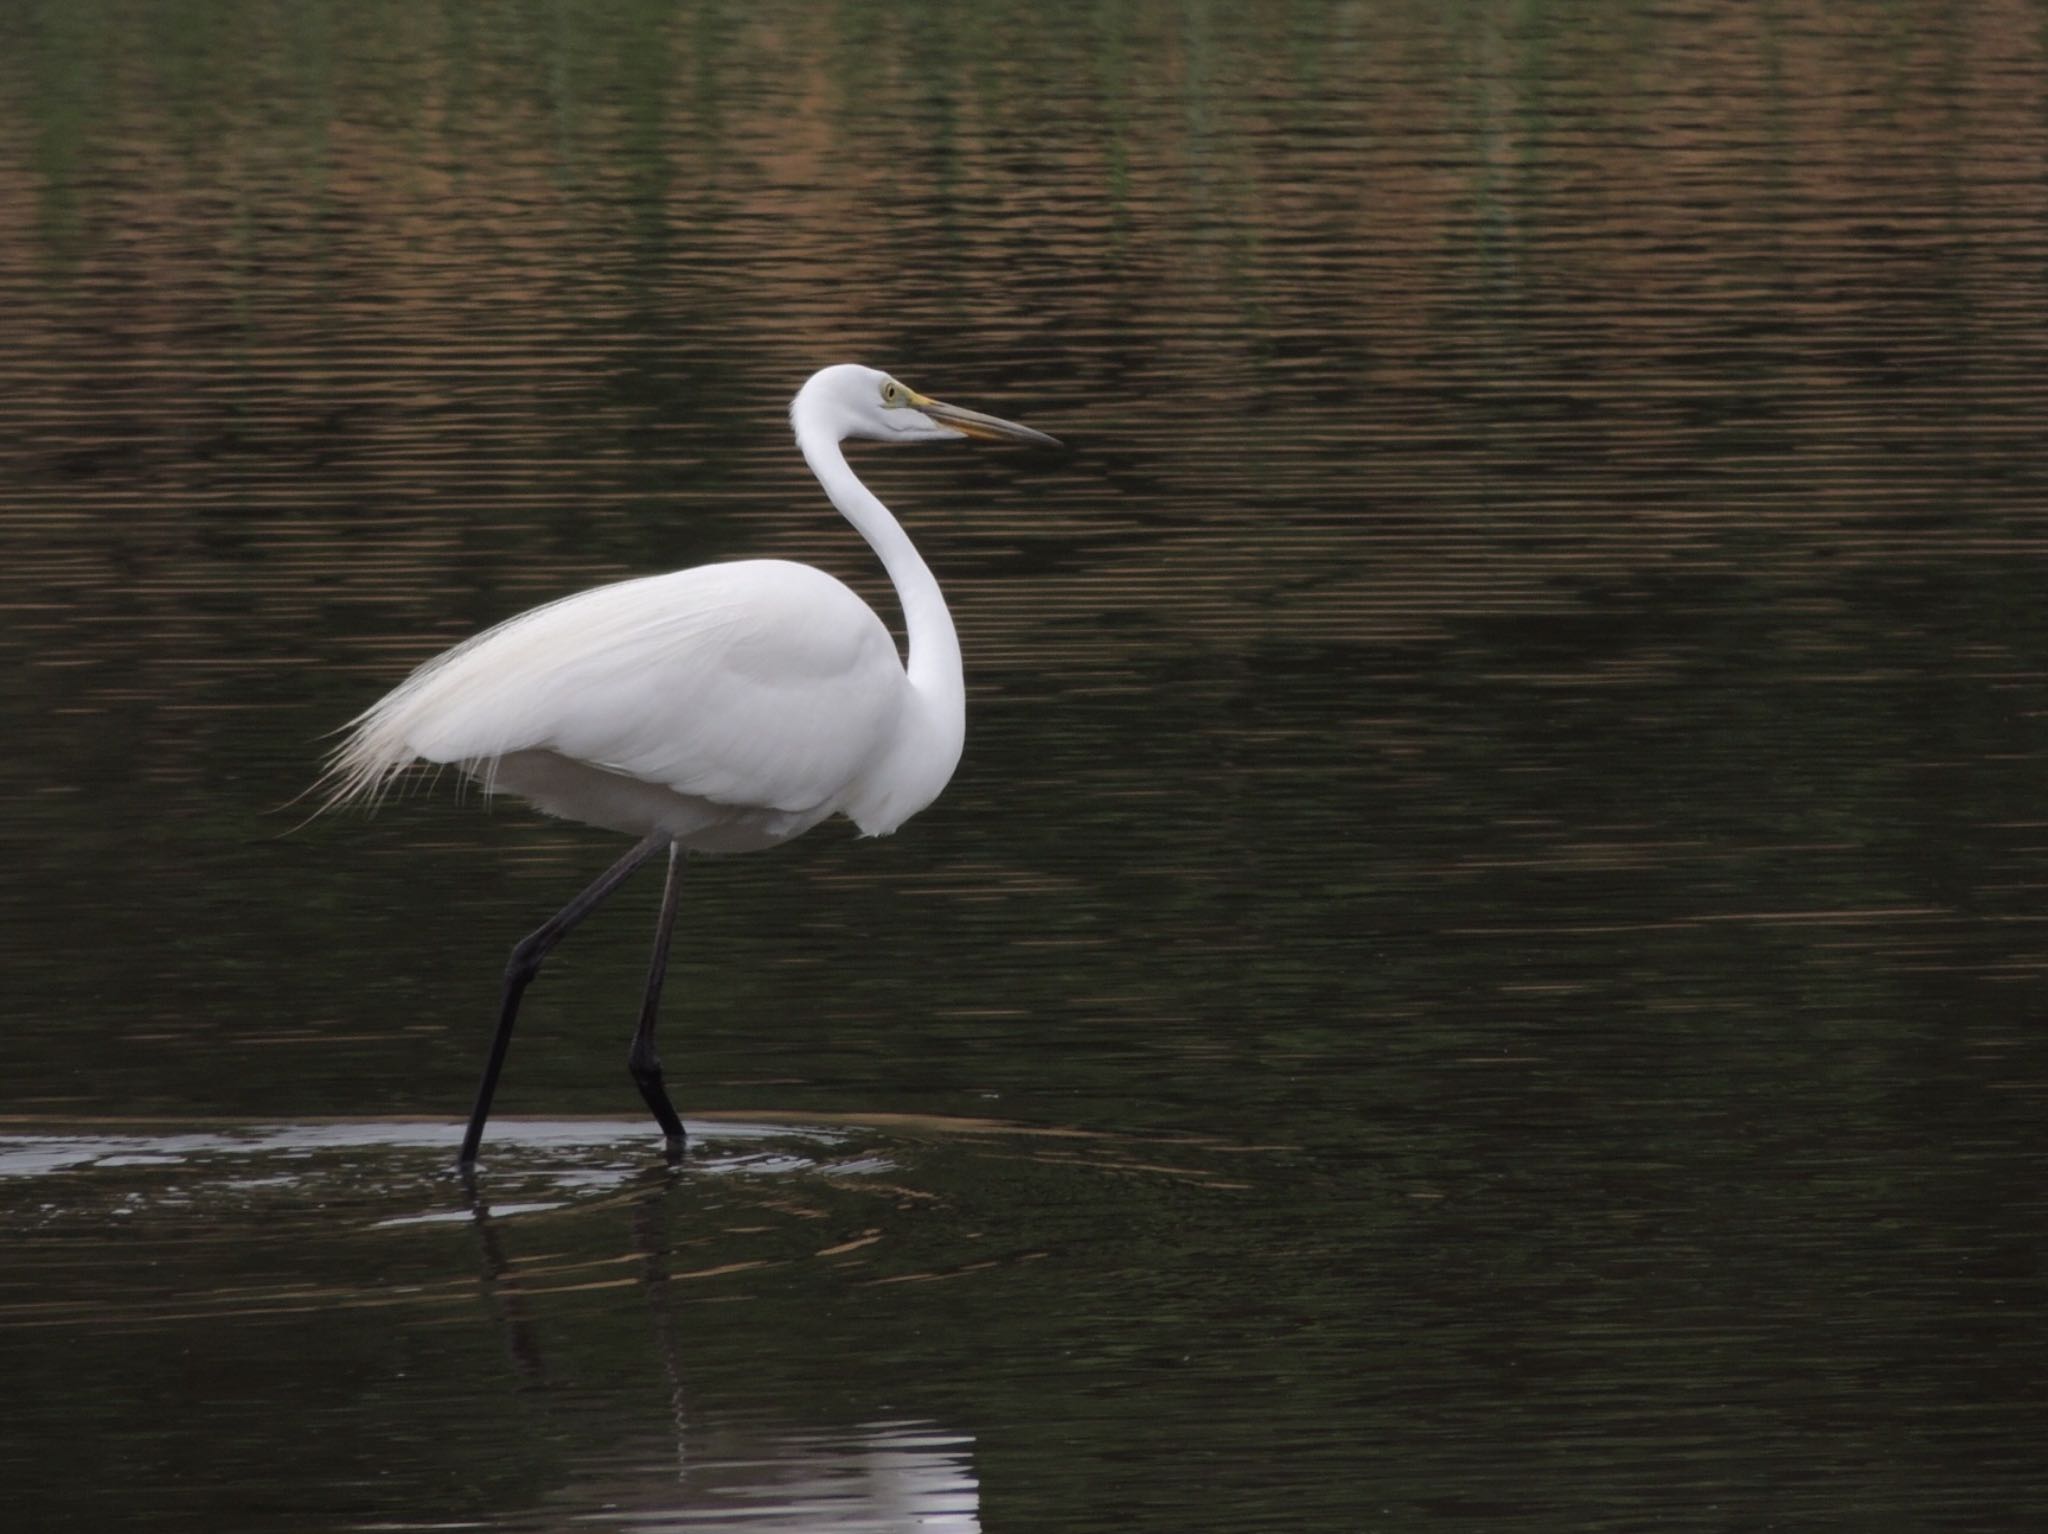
(1483,965)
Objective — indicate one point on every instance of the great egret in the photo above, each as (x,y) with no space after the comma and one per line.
(725,708)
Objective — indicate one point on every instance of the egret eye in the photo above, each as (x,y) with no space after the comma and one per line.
(892,393)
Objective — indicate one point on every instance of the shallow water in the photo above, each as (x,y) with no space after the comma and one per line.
(1483,965)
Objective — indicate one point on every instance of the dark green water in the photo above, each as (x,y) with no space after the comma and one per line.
(1484,964)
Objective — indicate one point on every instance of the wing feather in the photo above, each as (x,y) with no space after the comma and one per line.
(759,683)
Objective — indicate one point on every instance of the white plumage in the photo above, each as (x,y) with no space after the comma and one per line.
(731,706)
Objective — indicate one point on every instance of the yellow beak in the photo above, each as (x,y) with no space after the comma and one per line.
(972,423)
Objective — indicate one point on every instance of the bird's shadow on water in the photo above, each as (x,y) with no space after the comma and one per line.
(577,1228)
(885,1474)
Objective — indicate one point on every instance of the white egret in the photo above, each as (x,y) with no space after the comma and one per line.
(724,708)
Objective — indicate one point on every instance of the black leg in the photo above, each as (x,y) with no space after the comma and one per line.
(525,964)
(642,1061)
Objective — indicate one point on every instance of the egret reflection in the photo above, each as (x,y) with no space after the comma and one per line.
(889,1477)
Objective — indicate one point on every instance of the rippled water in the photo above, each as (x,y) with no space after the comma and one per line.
(1484,962)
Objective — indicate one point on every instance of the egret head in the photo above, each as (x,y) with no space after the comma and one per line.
(854,401)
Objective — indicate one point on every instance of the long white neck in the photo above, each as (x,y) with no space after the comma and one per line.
(934,665)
